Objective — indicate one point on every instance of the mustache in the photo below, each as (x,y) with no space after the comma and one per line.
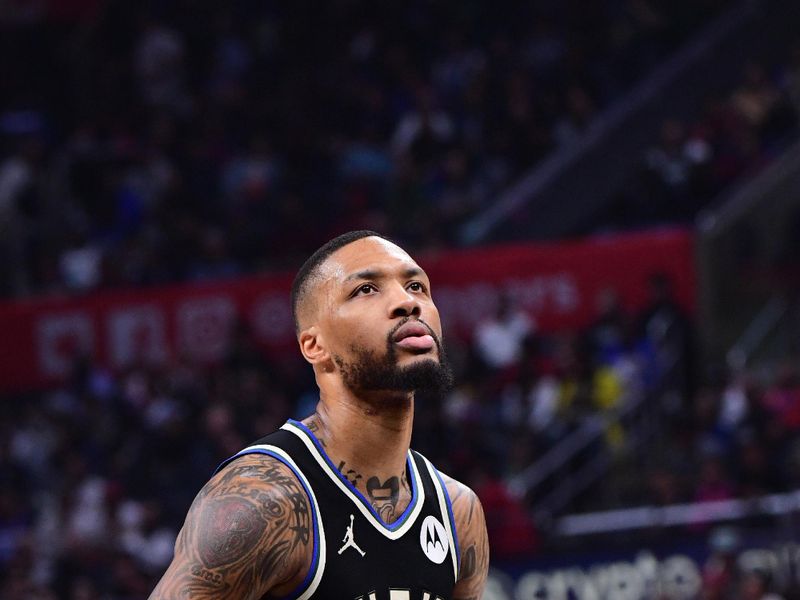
(405,320)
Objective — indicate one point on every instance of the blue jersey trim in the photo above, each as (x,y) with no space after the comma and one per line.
(450,516)
(315,562)
(409,465)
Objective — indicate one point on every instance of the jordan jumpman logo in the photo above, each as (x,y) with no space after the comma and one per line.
(349,541)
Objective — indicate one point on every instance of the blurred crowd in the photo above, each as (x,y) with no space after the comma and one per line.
(96,476)
(734,135)
(191,139)
(158,141)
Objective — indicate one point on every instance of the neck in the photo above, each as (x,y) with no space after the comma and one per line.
(368,440)
(373,433)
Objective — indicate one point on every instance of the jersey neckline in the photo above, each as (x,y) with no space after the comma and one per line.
(392,530)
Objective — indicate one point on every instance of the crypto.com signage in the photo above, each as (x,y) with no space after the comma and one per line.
(556,283)
(645,576)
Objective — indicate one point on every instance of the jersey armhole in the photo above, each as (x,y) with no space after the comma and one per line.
(445,506)
(451,516)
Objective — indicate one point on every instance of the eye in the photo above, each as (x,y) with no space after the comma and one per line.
(416,286)
(365,289)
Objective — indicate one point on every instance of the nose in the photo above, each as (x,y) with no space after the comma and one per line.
(404,304)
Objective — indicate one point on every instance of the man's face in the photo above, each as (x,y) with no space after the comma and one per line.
(379,320)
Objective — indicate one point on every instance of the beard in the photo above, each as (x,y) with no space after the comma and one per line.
(372,372)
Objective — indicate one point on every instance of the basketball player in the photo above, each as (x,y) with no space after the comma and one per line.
(336,506)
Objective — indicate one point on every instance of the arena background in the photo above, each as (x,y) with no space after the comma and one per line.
(606,195)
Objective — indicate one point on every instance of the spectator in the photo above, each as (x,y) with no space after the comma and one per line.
(512,534)
(782,400)
(159,63)
(500,338)
(756,98)
(663,322)
(755,586)
(20,205)
(673,168)
(719,570)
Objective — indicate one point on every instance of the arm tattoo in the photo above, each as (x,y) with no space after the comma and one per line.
(232,525)
(471,528)
(247,531)
(469,564)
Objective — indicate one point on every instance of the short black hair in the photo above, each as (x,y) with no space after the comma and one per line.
(305,273)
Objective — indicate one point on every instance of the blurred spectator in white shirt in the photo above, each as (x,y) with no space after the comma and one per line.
(501,338)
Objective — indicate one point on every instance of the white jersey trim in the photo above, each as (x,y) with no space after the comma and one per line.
(392,534)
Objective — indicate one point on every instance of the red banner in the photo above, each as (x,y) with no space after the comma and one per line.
(557,283)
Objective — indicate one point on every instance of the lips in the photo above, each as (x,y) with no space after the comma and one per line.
(414,336)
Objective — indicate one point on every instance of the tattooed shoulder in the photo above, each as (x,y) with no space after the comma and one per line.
(472,538)
(247,532)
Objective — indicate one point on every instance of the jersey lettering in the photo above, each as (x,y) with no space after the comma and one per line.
(395,594)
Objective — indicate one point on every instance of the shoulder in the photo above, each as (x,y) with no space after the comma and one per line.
(472,538)
(259,481)
(467,511)
(462,497)
(254,475)
(248,531)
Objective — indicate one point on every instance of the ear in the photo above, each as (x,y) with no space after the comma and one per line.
(312,345)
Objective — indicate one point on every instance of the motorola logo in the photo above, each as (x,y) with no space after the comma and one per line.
(433,539)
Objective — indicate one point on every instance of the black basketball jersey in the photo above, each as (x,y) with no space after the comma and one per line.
(356,555)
